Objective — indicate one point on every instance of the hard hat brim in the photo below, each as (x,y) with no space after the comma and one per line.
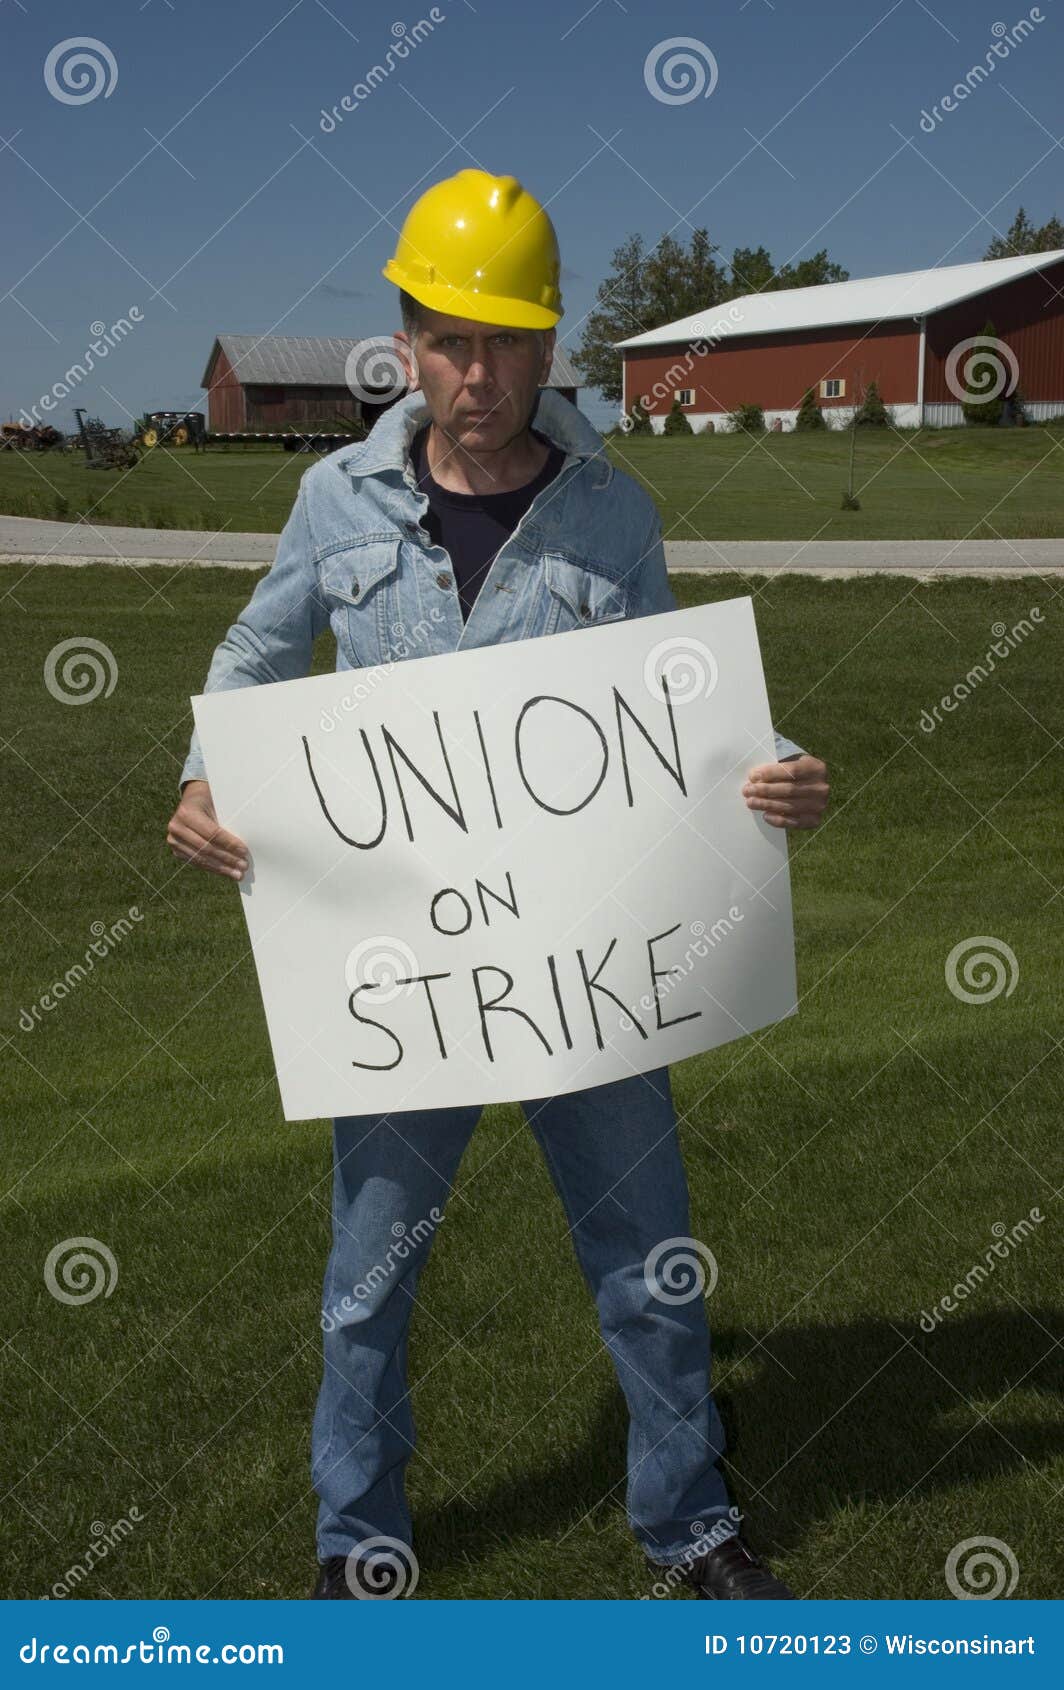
(478,307)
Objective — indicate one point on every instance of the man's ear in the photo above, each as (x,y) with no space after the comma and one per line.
(549,338)
(407,358)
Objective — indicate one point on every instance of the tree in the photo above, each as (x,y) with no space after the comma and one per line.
(1023,236)
(622,311)
(677,421)
(872,413)
(810,416)
(646,289)
(639,419)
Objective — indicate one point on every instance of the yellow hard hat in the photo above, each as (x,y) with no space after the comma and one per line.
(480,246)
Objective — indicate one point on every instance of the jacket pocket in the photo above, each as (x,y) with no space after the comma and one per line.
(359,587)
(580,596)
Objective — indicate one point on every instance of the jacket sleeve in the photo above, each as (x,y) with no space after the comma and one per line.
(273,637)
(654,594)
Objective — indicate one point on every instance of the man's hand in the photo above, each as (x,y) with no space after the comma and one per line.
(793,794)
(195,836)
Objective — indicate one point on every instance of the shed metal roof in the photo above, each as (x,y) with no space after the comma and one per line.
(866,299)
(318,361)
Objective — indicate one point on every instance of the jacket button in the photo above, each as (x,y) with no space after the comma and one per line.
(444,580)
(354,588)
(585,610)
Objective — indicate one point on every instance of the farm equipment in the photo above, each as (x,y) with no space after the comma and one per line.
(105,448)
(20,437)
(171,428)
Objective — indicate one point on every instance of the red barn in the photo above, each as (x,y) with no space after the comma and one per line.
(278,382)
(905,332)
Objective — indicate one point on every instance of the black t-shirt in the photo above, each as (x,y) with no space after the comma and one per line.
(473,527)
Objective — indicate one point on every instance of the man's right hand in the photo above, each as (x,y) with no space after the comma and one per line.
(194,835)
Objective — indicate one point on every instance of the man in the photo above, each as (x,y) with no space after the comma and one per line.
(483,508)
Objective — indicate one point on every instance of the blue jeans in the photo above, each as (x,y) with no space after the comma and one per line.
(614,1157)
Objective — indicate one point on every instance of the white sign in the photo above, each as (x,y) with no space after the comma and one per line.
(507,873)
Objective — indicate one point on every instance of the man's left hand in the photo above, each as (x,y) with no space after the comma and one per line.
(792,794)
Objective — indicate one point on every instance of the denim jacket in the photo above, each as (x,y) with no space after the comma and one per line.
(354,557)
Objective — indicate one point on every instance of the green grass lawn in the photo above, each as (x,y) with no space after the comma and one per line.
(847,1167)
(934,484)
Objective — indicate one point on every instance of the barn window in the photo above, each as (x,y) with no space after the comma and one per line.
(686,396)
(832,388)
(266,395)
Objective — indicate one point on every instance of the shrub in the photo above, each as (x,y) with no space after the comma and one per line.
(677,421)
(982,367)
(872,413)
(810,416)
(748,419)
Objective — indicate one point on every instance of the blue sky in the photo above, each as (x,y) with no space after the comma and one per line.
(247,217)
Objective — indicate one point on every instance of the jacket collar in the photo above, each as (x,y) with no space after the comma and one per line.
(387,447)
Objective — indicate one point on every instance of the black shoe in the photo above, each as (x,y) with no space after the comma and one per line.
(339,1573)
(729,1573)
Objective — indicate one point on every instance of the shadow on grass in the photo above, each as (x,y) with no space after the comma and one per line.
(824,1417)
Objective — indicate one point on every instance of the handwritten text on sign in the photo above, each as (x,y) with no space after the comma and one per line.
(505,873)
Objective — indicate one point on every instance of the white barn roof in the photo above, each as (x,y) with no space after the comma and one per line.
(911,293)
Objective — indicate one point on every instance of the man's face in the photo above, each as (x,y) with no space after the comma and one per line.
(479,379)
